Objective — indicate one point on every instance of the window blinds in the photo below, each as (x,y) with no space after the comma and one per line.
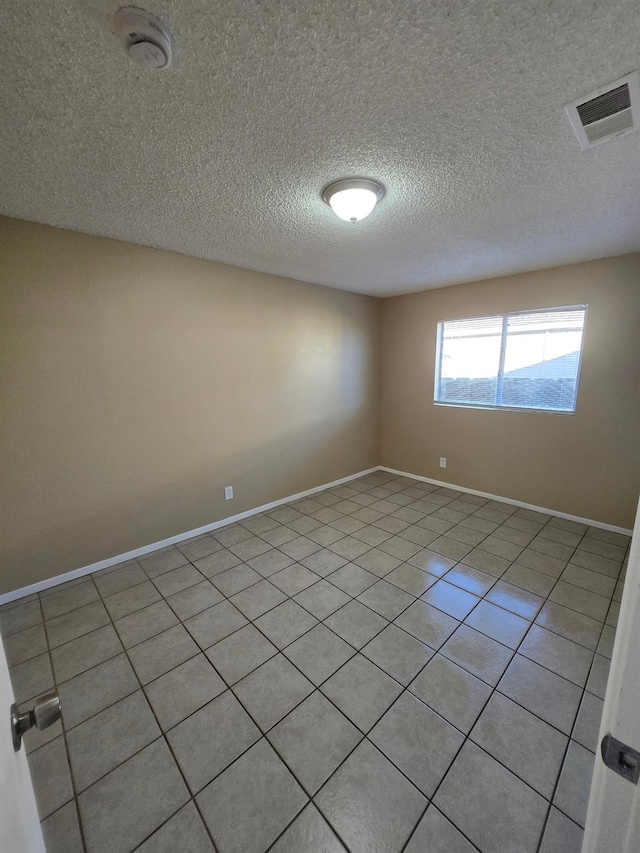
(528,360)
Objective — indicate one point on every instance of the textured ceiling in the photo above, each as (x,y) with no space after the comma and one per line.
(456,107)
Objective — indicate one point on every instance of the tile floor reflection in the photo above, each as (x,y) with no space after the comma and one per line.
(386,665)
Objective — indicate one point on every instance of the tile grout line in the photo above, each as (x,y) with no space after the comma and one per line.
(281,650)
(494,689)
(161,736)
(366,735)
(573,725)
(468,737)
(378,578)
(264,734)
(320,577)
(67,753)
(250,621)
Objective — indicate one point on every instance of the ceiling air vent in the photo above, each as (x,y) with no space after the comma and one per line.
(607,113)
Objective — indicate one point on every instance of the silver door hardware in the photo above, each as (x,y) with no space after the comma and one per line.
(621,758)
(45,712)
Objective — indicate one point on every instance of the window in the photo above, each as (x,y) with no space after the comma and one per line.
(528,360)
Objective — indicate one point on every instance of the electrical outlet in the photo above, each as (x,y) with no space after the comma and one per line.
(443,461)
(228,493)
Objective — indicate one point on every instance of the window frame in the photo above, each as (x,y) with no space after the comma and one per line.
(498,407)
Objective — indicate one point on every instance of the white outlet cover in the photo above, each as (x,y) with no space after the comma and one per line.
(228,493)
(443,461)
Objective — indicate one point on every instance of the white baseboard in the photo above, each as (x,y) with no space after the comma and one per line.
(189,534)
(172,540)
(511,501)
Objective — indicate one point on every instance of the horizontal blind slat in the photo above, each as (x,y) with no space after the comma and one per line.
(542,359)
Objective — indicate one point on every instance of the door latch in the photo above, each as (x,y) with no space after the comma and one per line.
(620,758)
(45,712)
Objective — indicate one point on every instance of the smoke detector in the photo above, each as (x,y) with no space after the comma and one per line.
(607,113)
(145,37)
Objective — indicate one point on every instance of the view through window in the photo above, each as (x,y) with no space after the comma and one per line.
(525,360)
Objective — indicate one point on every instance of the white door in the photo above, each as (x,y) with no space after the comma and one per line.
(613,818)
(19,824)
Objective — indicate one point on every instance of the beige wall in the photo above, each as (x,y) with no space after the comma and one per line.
(137,383)
(587,464)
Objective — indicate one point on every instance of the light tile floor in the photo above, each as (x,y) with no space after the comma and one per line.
(385,666)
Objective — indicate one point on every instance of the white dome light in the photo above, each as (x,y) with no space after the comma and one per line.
(353,199)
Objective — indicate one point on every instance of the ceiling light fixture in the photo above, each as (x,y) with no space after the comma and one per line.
(354,198)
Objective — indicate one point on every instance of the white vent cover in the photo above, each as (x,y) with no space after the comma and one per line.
(607,113)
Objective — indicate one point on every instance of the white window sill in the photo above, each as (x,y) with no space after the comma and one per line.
(487,407)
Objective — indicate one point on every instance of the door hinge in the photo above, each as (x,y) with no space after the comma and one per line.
(622,759)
